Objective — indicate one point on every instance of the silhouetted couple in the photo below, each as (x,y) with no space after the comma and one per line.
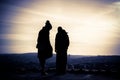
(45,49)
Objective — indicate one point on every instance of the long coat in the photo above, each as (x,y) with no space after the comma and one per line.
(61,46)
(61,41)
(43,44)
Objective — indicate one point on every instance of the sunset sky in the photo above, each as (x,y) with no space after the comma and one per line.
(93,26)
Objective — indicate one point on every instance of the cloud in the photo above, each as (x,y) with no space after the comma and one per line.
(16,13)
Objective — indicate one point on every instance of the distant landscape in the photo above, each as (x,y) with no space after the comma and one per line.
(77,64)
(29,62)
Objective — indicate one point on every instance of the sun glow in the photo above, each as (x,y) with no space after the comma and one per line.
(91,31)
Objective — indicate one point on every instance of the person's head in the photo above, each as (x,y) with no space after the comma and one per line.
(48,25)
(47,22)
(60,29)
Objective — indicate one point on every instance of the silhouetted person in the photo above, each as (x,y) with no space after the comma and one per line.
(61,46)
(43,45)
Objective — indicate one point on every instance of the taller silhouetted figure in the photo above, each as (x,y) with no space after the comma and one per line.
(61,46)
(43,45)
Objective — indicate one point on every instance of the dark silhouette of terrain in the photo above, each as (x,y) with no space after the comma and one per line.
(12,65)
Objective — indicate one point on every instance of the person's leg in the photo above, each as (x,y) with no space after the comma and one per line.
(42,63)
(64,62)
(58,63)
(61,62)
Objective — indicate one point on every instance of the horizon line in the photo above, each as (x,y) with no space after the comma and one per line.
(55,54)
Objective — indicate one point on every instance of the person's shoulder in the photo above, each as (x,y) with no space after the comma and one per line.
(64,32)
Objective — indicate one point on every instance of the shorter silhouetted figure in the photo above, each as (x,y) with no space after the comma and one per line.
(61,46)
(43,45)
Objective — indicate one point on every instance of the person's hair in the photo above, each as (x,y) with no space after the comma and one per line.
(48,25)
(59,28)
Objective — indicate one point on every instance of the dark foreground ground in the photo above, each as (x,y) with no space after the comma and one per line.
(53,76)
(26,67)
